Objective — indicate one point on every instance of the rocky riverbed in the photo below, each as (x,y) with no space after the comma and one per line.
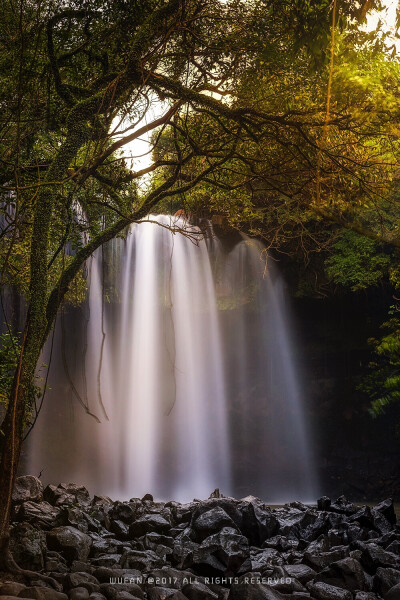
(217,549)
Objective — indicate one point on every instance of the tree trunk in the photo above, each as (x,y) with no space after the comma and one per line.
(11,438)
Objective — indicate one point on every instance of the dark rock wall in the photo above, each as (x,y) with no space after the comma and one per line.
(357,455)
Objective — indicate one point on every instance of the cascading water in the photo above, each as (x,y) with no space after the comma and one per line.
(182,353)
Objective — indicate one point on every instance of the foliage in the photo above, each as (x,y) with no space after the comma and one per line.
(9,352)
(357,262)
(382,384)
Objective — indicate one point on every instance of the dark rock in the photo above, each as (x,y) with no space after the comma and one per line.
(78,566)
(79,492)
(294,519)
(160,593)
(301,572)
(84,580)
(97,596)
(28,546)
(385,579)
(147,523)
(323,591)
(79,593)
(257,522)
(386,507)
(105,545)
(172,578)
(42,593)
(343,507)
(288,585)
(55,562)
(364,517)
(125,596)
(147,498)
(198,591)
(394,547)
(27,488)
(11,588)
(144,561)
(317,527)
(381,524)
(211,521)
(57,496)
(120,529)
(178,596)
(40,514)
(356,533)
(347,574)
(374,556)
(255,591)
(122,511)
(107,560)
(66,494)
(107,575)
(152,540)
(221,553)
(324,503)
(76,517)
(262,559)
(111,590)
(320,560)
(393,593)
(365,596)
(71,542)
(183,549)
(281,543)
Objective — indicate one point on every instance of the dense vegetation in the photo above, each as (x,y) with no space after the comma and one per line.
(281,116)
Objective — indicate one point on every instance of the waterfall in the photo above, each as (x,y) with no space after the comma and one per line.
(180,375)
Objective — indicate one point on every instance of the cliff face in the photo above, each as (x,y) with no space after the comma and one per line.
(357,455)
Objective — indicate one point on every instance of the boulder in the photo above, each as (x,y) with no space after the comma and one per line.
(147,523)
(301,572)
(257,522)
(111,591)
(324,503)
(66,494)
(320,560)
(42,593)
(373,556)
(343,507)
(40,514)
(72,543)
(78,593)
(386,507)
(27,488)
(221,553)
(107,575)
(123,511)
(211,521)
(254,591)
(144,561)
(28,546)
(198,591)
(108,560)
(160,593)
(347,574)
(324,591)
(385,579)
(82,580)
(11,588)
(393,593)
